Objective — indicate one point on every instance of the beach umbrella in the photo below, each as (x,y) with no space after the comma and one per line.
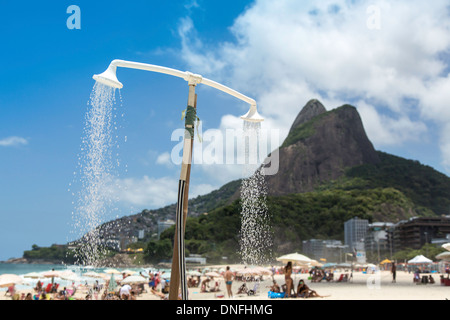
(264,271)
(7,280)
(112,284)
(194,273)
(134,279)
(249,271)
(420,259)
(296,258)
(92,274)
(315,263)
(67,273)
(385,261)
(444,256)
(446,246)
(112,271)
(212,274)
(33,275)
(71,277)
(52,274)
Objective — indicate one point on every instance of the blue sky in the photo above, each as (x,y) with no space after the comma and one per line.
(389,60)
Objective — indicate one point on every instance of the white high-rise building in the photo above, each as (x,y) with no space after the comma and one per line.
(355,232)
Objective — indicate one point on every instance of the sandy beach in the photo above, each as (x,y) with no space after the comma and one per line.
(377,286)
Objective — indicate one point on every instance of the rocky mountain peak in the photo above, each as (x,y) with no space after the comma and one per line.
(312,109)
(320,147)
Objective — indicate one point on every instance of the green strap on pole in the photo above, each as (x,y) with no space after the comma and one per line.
(191,121)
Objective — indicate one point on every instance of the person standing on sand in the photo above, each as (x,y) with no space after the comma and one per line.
(288,279)
(228,276)
(394,272)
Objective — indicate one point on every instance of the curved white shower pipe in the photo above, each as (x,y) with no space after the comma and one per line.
(109,78)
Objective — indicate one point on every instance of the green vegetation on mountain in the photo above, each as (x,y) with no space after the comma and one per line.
(294,218)
(56,253)
(427,188)
(307,129)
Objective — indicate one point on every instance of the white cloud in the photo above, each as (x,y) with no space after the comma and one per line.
(152,192)
(164,159)
(288,52)
(386,131)
(13,142)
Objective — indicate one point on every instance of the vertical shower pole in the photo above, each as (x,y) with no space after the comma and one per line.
(178,271)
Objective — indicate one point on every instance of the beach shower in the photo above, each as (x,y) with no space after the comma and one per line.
(109,78)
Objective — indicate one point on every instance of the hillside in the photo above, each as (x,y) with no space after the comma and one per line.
(296,217)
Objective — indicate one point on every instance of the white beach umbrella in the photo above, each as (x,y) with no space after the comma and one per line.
(67,273)
(446,246)
(249,272)
(71,277)
(92,274)
(444,256)
(112,271)
(296,258)
(212,274)
(194,273)
(263,271)
(133,279)
(7,280)
(52,274)
(33,275)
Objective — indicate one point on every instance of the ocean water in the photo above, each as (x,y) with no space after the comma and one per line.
(21,269)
